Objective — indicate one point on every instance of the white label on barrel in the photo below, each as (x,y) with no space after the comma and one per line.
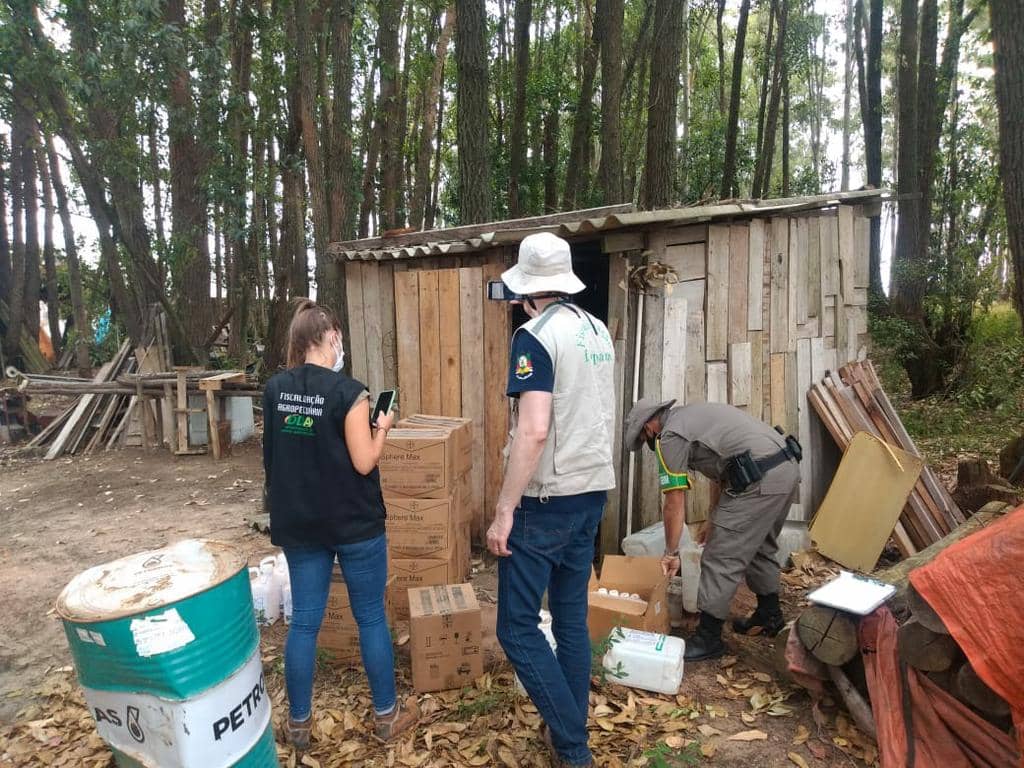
(214,729)
(161,633)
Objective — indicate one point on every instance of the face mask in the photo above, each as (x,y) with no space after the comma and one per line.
(339,357)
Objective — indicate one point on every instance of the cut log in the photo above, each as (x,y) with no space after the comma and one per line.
(924,613)
(971,689)
(923,649)
(830,635)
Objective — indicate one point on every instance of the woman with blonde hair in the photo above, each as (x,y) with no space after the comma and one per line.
(320,454)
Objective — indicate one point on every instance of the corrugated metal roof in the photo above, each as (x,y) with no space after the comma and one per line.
(590,222)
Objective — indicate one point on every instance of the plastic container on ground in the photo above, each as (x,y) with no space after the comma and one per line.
(167,651)
(266,600)
(545,627)
(650,542)
(645,660)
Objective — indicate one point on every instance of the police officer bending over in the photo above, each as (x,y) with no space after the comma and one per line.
(754,469)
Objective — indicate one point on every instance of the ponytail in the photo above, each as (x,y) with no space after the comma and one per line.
(309,324)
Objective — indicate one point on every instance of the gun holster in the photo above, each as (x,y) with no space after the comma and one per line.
(742,471)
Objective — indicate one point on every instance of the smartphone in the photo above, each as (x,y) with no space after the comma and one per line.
(498,291)
(385,402)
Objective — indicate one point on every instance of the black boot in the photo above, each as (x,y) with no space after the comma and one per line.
(767,616)
(706,642)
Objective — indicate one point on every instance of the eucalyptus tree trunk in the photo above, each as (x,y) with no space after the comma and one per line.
(16,289)
(577,176)
(473,115)
(49,257)
(388,112)
(517,141)
(728,188)
(189,163)
(5,243)
(74,266)
(29,181)
(609,20)
(431,109)
(1008,40)
(666,44)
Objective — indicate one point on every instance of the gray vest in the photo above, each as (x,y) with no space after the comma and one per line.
(577,456)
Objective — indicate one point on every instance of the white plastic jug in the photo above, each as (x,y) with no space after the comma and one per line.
(648,661)
(284,581)
(268,570)
(286,602)
(266,596)
(650,542)
(545,627)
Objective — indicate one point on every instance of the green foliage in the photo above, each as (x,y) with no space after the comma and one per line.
(483,703)
(661,755)
(983,405)
(598,648)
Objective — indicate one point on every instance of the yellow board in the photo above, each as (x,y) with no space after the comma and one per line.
(864,502)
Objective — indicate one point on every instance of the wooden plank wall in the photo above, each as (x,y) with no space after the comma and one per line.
(446,348)
(773,304)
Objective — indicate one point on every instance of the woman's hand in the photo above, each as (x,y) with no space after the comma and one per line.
(386,421)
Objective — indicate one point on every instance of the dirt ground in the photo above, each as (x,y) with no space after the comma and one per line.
(61,517)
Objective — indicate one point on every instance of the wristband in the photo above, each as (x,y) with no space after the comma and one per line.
(671,553)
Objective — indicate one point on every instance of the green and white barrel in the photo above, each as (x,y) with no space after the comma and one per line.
(167,649)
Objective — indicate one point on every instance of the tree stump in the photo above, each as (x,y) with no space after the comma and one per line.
(923,649)
(970,688)
(972,471)
(830,635)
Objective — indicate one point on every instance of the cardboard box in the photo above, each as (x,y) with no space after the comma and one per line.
(421,527)
(411,573)
(339,633)
(461,430)
(445,630)
(419,463)
(640,575)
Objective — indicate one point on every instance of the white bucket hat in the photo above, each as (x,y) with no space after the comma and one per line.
(544,264)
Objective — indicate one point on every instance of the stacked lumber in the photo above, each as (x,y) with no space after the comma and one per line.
(831,636)
(852,400)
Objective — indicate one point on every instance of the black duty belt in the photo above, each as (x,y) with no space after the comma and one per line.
(743,470)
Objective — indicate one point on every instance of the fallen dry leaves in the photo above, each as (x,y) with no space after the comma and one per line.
(487,724)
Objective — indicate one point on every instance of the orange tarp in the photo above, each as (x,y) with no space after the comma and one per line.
(918,723)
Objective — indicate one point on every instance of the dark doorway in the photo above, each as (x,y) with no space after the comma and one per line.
(590,266)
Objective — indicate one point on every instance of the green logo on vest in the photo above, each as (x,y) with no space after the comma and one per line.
(297,424)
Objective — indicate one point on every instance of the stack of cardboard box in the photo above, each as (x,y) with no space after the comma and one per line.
(424,473)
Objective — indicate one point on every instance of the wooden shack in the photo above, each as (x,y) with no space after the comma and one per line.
(739,302)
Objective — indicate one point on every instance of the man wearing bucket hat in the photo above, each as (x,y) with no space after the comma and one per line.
(755,475)
(558,473)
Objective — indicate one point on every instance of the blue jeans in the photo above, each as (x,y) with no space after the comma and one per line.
(552,546)
(365,567)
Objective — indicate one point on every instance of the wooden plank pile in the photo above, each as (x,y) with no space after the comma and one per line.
(136,398)
(852,400)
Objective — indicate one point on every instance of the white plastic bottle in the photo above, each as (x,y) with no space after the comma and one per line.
(549,635)
(258,586)
(268,573)
(286,602)
(646,660)
(283,578)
